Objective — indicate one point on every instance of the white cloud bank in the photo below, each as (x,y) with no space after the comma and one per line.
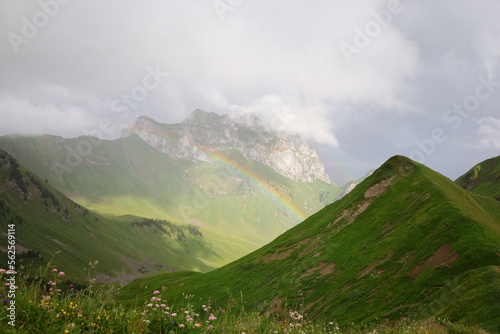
(266,57)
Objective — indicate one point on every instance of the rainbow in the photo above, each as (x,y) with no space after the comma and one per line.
(273,192)
(234,165)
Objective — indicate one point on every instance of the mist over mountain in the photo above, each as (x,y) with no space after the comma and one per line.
(204,132)
(196,172)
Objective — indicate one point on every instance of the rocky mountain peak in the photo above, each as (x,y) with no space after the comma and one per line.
(201,118)
(289,155)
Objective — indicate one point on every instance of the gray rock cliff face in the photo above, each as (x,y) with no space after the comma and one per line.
(203,132)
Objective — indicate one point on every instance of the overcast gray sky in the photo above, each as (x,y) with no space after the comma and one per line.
(363,80)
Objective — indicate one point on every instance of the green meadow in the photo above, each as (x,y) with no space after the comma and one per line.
(49,302)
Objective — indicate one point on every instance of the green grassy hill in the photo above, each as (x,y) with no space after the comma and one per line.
(405,242)
(129,177)
(49,225)
(483,179)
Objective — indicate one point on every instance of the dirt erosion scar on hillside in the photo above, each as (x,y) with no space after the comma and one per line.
(371,193)
(443,256)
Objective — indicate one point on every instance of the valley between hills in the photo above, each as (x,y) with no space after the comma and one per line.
(239,228)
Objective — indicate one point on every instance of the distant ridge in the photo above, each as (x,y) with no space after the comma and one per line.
(483,179)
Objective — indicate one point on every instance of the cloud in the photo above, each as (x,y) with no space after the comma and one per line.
(284,114)
(491,54)
(48,108)
(28,118)
(251,54)
(278,57)
(489,131)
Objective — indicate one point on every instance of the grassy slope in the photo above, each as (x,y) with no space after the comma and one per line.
(483,179)
(127,176)
(364,269)
(55,224)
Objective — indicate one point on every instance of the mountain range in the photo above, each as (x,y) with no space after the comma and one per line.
(178,202)
(136,176)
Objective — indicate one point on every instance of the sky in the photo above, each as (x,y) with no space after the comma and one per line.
(361,80)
